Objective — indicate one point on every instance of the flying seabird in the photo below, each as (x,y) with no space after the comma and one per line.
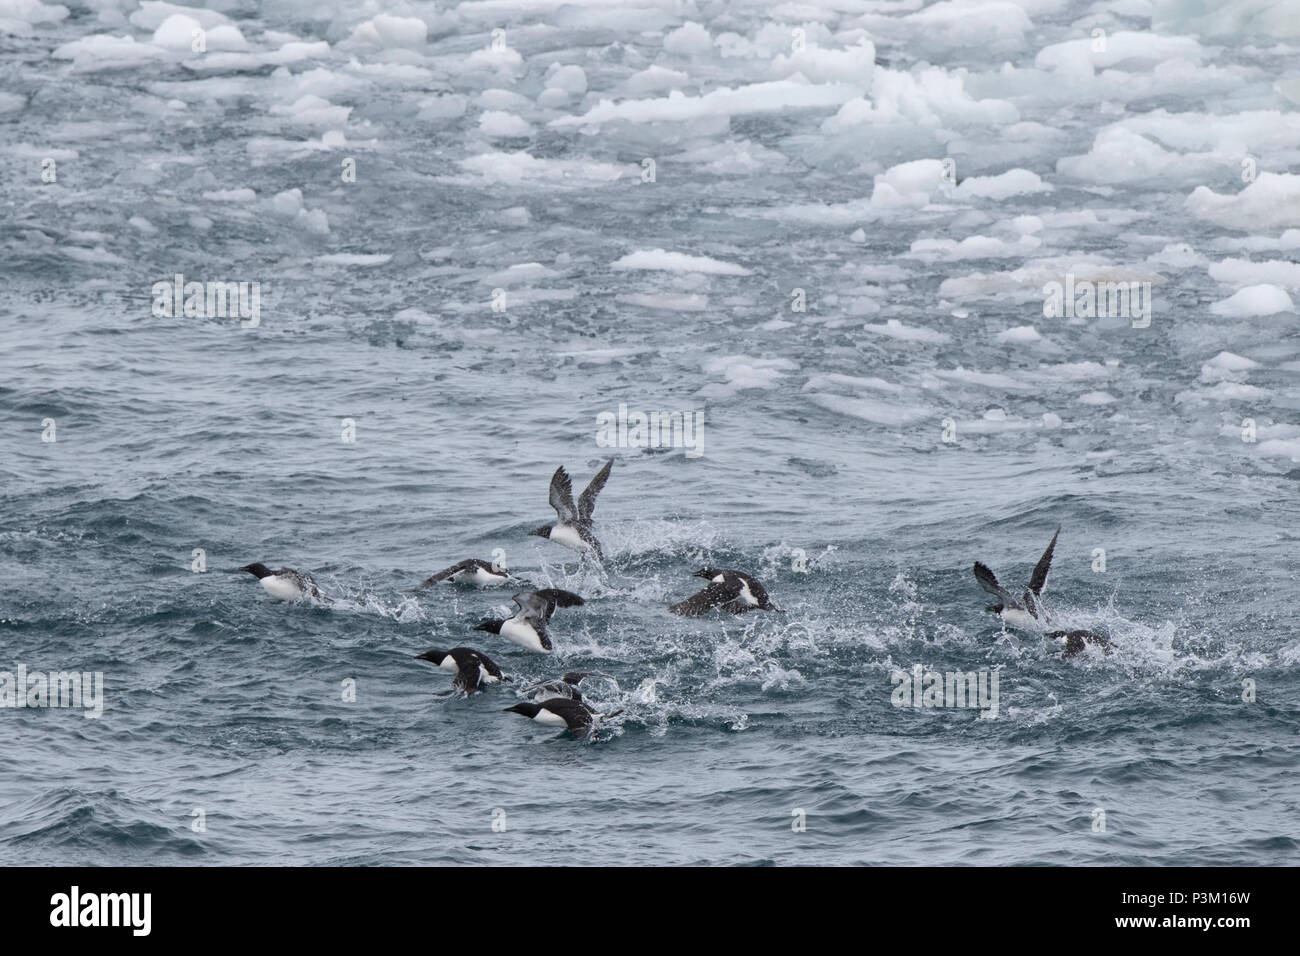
(528,627)
(1028,612)
(573,527)
(472,571)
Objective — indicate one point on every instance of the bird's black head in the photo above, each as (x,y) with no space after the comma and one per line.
(492,627)
(707,573)
(258,569)
(525,709)
(433,656)
(543,532)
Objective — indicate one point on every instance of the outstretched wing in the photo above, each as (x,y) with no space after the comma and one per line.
(989,582)
(543,603)
(445,573)
(587,501)
(717,593)
(562,496)
(1044,565)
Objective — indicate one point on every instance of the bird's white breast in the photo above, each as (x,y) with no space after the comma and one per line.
(478,577)
(745,594)
(1021,620)
(282,588)
(567,536)
(548,719)
(522,633)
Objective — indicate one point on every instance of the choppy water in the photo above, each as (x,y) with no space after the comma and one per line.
(824,431)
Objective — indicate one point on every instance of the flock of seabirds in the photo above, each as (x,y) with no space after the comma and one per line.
(559,702)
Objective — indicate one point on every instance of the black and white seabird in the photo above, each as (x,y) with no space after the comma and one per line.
(471,571)
(730,590)
(1028,612)
(286,584)
(565,686)
(528,627)
(573,529)
(574,715)
(471,667)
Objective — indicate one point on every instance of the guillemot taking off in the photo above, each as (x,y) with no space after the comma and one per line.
(1028,612)
(286,584)
(471,571)
(573,715)
(471,667)
(573,529)
(528,627)
(730,590)
(566,686)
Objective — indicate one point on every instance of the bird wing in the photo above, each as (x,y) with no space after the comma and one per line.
(448,572)
(989,582)
(542,604)
(304,581)
(587,500)
(489,666)
(1039,577)
(721,592)
(562,496)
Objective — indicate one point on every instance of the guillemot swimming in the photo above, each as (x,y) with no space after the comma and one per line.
(1029,612)
(574,715)
(471,667)
(566,686)
(286,584)
(528,627)
(573,529)
(472,571)
(730,590)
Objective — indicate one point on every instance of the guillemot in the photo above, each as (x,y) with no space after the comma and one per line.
(472,571)
(730,590)
(573,529)
(471,668)
(528,627)
(565,686)
(1028,612)
(286,584)
(575,716)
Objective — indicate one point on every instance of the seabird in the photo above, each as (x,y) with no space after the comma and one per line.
(528,627)
(286,584)
(1029,612)
(573,529)
(471,667)
(574,715)
(566,686)
(472,571)
(730,590)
